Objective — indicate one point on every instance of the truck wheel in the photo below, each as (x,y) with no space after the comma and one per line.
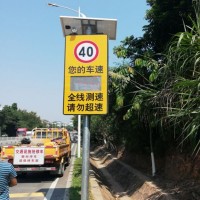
(61,170)
(67,161)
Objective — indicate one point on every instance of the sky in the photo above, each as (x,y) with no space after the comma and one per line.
(32,48)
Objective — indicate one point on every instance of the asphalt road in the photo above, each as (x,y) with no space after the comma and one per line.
(42,186)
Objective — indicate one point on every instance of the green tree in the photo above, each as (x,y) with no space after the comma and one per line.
(75,122)
(165,19)
(154,98)
(166,93)
(183,66)
(12,118)
(28,120)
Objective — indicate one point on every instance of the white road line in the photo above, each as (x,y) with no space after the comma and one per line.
(53,185)
(51,189)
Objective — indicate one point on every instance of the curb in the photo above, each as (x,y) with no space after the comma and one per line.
(94,187)
(69,181)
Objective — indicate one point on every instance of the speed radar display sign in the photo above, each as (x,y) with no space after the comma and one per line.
(86,75)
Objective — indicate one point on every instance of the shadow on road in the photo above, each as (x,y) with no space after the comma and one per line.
(35,177)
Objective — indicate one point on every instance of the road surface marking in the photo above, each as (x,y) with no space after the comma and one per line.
(51,189)
(21,195)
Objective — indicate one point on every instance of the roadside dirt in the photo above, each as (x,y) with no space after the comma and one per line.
(121,181)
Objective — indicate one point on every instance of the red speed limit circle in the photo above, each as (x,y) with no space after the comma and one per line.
(86,51)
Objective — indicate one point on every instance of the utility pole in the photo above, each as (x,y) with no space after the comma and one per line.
(86,87)
(79,136)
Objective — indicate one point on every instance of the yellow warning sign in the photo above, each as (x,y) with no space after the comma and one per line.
(86,75)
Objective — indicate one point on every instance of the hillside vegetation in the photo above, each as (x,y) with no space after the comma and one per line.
(154,94)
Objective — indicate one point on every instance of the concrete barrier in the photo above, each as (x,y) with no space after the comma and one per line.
(11,140)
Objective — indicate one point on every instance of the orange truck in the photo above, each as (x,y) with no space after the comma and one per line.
(49,149)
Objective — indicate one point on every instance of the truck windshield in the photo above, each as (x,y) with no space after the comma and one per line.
(21,133)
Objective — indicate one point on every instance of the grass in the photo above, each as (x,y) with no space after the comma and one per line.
(75,189)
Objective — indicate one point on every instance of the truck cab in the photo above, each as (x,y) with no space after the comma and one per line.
(21,132)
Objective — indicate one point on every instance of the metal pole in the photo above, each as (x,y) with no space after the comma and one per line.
(0,124)
(85,161)
(86,150)
(80,14)
(79,136)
